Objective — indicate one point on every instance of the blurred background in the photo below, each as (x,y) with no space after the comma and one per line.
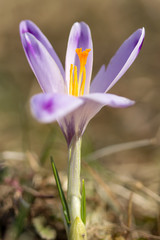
(111,22)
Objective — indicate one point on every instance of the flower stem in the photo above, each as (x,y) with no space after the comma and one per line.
(74,167)
(77,229)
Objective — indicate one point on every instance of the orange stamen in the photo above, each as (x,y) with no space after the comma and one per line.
(77,84)
(82,56)
(83,83)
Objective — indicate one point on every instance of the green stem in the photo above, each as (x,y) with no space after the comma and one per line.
(74,167)
(77,230)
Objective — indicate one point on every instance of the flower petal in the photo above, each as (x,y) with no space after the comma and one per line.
(121,61)
(75,123)
(50,107)
(80,37)
(28,26)
(43,65)
(109,99)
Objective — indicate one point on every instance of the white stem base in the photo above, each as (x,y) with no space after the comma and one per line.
(74,183)
(75,207)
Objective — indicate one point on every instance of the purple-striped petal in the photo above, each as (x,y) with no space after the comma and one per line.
(75,123)
(119,64)
(50,107)
(28,26)
(80,37)
(43,65)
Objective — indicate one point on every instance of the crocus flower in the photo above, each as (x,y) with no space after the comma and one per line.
(70,98)
(68,95)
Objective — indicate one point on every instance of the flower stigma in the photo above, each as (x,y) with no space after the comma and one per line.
(77,83)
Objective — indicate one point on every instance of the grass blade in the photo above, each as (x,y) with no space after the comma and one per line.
(61,193)
(83,203)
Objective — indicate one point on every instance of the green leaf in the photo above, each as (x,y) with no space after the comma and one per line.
(20,221)
(83,203)
(61,193)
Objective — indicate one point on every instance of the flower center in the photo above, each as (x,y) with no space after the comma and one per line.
(77,83)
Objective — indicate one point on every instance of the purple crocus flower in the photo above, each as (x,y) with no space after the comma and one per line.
(69,96)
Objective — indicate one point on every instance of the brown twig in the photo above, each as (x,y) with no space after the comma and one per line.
(35,193)
(140,186)
(129,215)
(119,147)
(20,188)
(139,200)
(158,215)
(139,232)
(129,220)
